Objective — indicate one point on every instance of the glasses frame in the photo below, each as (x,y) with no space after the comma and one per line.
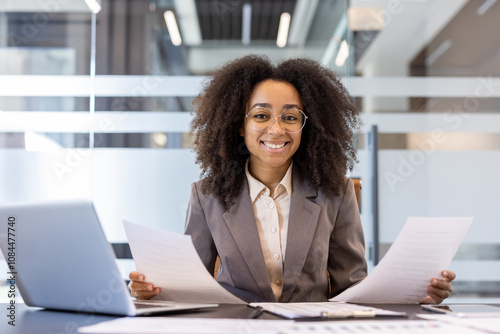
(279,116)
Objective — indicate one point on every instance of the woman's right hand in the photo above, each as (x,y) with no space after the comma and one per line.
(140,289)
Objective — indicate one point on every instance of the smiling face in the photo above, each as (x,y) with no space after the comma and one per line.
(272,150)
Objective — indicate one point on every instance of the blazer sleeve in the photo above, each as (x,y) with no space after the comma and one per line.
(196,226)
(346,261)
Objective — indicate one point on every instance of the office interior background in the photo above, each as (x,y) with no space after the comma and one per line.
(95,102)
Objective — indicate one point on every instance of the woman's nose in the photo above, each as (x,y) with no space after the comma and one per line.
(276,127)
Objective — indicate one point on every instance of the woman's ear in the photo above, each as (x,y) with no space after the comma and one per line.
(242,132)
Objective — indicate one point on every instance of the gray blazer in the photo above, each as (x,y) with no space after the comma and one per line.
(324,234)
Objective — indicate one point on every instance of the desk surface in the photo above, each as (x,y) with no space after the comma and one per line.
(32,320)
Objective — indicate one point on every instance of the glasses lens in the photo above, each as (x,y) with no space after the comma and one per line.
(292,120)
(260,119)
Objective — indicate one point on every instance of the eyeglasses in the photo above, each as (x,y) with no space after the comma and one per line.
(262,119)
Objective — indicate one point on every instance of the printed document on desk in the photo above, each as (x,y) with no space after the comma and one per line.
(324,310)
(165,325)
(170,261)
(424,247)
(488,325)
(376,327)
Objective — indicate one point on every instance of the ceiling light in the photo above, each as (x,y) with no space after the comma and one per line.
(246,25)
(283,29)
(343,54)
(160,139)
(173,29)
(438,52)
(93,6)
(485,6)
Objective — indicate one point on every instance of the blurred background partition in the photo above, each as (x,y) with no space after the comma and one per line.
(96,100)
(426,73)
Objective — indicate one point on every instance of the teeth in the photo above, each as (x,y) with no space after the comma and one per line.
(274,146)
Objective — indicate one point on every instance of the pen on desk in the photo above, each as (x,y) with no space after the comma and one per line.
(333,315)
(347,314)
(257,312)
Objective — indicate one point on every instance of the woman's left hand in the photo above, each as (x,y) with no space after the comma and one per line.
(439,289)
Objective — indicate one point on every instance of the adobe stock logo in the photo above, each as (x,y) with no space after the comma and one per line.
(452,120)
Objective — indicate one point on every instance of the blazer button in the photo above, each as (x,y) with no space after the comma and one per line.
(271,205)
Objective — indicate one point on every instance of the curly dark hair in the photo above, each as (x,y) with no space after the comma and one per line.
(327,148)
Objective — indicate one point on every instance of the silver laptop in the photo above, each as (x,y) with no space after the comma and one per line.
(61,260)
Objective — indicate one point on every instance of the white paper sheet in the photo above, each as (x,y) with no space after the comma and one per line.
(489,325)
(422,250)
(163,325)
(170,261)
(301,310)
(376,327)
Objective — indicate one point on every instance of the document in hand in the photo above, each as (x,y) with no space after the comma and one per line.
(424,247)
(170,261)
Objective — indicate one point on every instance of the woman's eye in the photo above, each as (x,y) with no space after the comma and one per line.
(290,118)
(261,116)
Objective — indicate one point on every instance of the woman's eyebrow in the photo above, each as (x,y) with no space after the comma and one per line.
(267,105)
(262,105)
(291,106)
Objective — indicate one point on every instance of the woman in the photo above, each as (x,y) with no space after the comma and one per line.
(274,144)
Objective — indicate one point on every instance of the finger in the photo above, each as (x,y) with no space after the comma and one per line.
(428,300)
(435,299)
(448,275)
(145,294)
(441,284)
(140,286)
(136,276)
(437,294)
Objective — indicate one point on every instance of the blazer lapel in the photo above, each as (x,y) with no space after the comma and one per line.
(302,223)
(240,221)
